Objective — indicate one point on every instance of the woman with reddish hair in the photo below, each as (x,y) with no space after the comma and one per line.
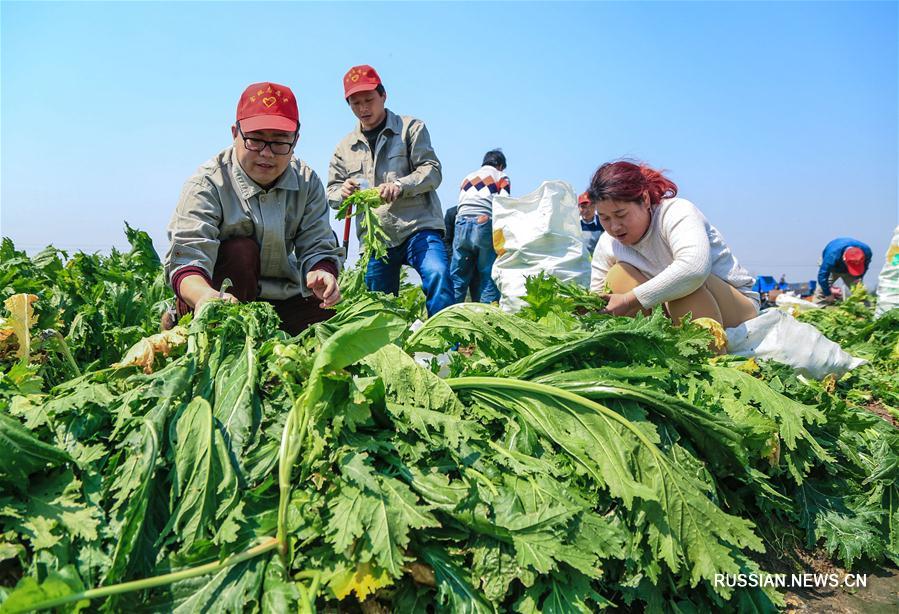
(660,250)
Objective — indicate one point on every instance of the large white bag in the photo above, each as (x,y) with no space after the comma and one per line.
(540,231)
(776,335)
(793,304)
(888,282)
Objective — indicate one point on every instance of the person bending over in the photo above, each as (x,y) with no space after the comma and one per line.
(659,249)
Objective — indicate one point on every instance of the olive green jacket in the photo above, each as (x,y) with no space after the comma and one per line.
(403,154)
(290,222)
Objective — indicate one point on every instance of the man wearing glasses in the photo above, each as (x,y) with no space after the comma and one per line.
(394,155)
(257,216)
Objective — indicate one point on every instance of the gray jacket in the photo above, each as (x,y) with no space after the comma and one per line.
(403,153)
(290,222)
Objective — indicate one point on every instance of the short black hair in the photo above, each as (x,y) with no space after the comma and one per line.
(495,158)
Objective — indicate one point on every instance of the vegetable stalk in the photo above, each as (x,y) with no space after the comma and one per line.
(63,349)
(291,442)
(170,578)
(363,203)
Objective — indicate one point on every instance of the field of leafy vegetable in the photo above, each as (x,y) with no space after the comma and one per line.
(561,461)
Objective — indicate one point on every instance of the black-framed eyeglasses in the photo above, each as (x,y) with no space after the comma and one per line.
(279,148)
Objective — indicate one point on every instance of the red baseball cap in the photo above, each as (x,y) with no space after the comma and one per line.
(361,78)
(854,258)
(583,199)
(268,106)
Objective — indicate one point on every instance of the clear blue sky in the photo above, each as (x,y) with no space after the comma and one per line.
(779,120)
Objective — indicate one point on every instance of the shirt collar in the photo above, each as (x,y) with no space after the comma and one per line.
(394,124)
(249,188)
(592,224)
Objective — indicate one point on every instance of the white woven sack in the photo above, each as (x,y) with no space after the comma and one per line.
(888,282)
(793,304)
(540,231)
(775,335)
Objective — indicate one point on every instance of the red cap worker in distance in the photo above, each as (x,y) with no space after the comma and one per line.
(854,259)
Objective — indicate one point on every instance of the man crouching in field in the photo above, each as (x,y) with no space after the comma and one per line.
(256,215)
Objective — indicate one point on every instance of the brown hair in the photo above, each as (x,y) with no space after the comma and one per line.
(628,181)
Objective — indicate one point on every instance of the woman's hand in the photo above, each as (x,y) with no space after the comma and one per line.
(621,304)
(324,287)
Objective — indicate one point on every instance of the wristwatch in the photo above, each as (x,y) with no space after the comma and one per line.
(398,184)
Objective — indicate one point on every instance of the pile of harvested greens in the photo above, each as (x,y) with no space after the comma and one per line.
(566,462)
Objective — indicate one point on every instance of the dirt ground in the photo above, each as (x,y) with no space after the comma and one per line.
(883,412)
(881,596)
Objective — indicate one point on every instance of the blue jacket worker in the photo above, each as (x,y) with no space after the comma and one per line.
(843,258)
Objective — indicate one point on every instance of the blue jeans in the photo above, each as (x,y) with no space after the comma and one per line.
(424,251)
(473,251)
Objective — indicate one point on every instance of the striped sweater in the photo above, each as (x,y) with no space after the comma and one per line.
(479,188)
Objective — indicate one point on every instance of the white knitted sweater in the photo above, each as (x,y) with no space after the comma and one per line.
(677,254)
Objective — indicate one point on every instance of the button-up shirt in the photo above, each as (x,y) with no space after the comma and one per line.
(289,221)
(403,154)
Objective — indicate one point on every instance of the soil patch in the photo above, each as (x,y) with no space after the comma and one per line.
(880,410)
(869,589)
(880,595)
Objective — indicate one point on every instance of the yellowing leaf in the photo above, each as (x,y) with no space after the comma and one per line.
(143,353)
(21,319)
(6,334)
(773,455)
(362,580)
(714,327)
(499,242)
(750,366)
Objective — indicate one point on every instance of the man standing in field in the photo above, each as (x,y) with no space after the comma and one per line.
(449,223)
(591,229)
(473,237)
(258,216)
(843,259)
(393,153)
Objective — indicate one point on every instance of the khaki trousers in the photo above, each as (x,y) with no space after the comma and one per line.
(715,299)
